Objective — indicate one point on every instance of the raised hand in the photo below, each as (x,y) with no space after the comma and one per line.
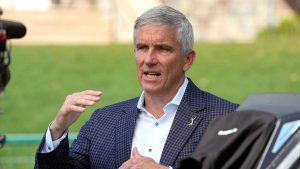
(70,111)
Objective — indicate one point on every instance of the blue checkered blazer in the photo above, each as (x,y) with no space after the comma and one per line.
(104,142)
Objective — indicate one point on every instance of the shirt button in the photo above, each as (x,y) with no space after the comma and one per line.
(49,148)
(150,150)
(156,124)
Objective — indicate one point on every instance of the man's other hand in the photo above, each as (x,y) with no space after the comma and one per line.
(141,162)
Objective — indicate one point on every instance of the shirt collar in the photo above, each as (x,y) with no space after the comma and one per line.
(175,101)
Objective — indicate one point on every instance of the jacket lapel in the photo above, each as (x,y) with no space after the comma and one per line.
(186,120)
(124,134)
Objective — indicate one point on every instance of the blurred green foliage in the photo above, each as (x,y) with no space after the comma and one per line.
(288,27)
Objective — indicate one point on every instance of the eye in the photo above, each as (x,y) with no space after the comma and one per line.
(141,47)
(164,48)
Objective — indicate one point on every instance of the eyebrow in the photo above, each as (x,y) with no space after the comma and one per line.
(140,45)
(165,46)
(162,45)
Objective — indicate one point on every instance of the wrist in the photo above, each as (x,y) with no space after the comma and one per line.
(55,131)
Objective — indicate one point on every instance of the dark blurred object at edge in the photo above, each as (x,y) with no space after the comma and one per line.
(295,5)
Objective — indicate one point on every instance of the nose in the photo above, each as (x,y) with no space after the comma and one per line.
(151,57)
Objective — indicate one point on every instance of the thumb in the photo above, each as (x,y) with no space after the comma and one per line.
(135,153)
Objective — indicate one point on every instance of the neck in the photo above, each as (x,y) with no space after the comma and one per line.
(154,103)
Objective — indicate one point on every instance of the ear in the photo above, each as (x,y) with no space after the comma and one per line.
(189,60)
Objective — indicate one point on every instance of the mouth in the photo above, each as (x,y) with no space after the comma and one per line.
(152,75)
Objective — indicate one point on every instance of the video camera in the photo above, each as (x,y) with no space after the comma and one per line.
(8,30)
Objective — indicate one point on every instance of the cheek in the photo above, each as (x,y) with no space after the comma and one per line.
(138,61)
(139,64)
(176,66)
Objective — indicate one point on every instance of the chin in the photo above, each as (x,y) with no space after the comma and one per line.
(150,89)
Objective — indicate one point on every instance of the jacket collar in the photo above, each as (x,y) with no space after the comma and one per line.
(187,118)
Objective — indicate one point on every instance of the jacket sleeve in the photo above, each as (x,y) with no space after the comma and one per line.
(63,157)
(58,158)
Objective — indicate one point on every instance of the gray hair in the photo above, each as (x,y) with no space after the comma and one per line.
(168,16)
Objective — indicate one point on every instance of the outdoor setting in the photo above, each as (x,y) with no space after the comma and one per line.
(242,47)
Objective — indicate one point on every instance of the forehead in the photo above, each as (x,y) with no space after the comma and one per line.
(157,33)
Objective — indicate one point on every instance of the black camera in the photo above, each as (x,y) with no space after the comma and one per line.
(8,30)
(2,140)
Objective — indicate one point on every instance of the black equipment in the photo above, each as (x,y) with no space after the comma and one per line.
(2,140)
(283,148)
(263,133)
(8,30)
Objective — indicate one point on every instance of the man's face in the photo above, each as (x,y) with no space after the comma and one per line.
(160,65)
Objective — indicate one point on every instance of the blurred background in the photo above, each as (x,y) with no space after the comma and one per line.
(109,21)
(243,47)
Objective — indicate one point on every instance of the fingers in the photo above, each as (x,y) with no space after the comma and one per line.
(78,101)
(126,165)
(92,92)
(85,101)
(76,108)
(88,95)
(72,108)
(141,162)
(131,163)
(135,153)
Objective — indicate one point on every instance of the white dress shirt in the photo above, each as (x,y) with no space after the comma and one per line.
(150,134)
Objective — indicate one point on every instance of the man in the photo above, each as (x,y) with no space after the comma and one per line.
(155,130)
